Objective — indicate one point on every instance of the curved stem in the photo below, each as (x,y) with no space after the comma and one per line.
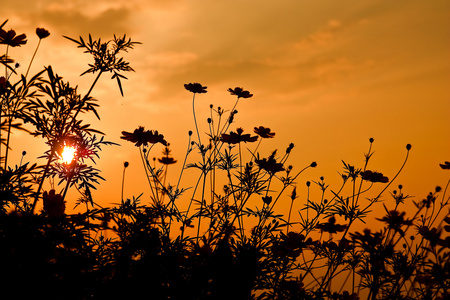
(195,121)
(123,181)
(7,142)
(32,58)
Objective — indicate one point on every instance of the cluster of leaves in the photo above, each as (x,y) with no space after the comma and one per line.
(199,242)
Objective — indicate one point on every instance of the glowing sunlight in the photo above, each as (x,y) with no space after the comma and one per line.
(68,154)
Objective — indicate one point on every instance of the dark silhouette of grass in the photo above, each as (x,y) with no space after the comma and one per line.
(216,247)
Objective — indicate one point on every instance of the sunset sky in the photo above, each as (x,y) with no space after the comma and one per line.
(326,75)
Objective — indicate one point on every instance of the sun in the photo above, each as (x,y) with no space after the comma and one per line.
(68,154)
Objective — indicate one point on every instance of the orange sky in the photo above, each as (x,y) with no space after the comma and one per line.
(326,75)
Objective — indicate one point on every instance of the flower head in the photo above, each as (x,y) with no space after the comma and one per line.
(396,220)
(166,160)
(9,38)
(367,239)
(270,164)
(331,226)
(432,235)
(240,92)
(141,137)
(264,132)
(195,88)
(267,199)
(374,176)
(54,205)
(445,165)
(42,33)
(237,137)
(290,245)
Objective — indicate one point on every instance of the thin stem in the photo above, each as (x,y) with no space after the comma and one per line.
(289,217)
(8,137)
(146,165)
(67,185)
(32,58)
(195,121)
(201,206)
(123,181)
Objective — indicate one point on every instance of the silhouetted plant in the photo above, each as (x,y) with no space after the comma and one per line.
(220,238)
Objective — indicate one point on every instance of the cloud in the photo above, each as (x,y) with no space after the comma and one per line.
(73,17)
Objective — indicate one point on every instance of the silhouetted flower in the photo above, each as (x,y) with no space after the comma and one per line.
(195,88)
(396,220)
(432,235)
(267,199)
(445,165)
(54,205)
(237,137)
(264,132)
(331,226)
(240,92)
(141,137)
(9,38)
(290,245)
(368,240)
(167,160)
(374,176)
(42,33)
(270,164)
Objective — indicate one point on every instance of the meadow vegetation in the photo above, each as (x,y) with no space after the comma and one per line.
(223,237)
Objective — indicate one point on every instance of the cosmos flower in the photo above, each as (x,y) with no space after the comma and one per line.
(374,176)
(367,239)
(267,199)
(433,235)
(264,132)
(54,205)
(396,220)
(9,38)
(196,88)
(445,165)
(290,245)
(42,33)
(270,164)
(240,92)
(331,226)
(237,137)
(141,137)
(166,160)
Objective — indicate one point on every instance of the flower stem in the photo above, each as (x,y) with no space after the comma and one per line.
(195,121)
(32,58)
